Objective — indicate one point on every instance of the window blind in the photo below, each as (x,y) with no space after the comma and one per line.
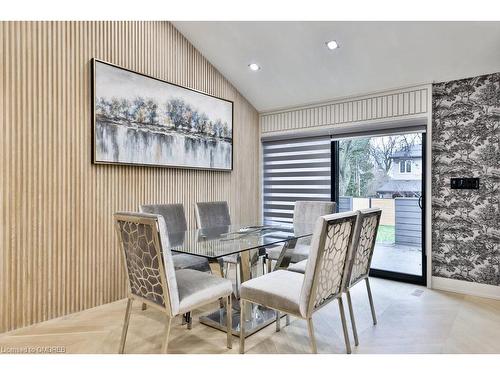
(294,169)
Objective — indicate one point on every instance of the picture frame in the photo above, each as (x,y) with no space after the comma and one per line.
(142,120)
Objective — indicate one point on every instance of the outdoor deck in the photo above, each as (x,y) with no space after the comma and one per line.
(398,258)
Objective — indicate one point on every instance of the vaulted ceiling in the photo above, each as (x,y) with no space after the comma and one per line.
(297,68)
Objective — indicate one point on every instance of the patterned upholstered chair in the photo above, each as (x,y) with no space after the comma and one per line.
(303,212)
(152,278)
(175,221)
(359,267)
(360,262)
(324,280)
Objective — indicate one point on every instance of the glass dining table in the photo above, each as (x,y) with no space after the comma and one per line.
(248,242)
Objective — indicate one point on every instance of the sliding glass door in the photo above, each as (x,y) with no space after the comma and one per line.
(387,172)
(359,172)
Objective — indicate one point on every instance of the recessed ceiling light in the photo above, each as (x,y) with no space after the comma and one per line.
(332,44)
(254,67)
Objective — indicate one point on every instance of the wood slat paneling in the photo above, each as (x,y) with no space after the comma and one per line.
(400,104)
(58,252)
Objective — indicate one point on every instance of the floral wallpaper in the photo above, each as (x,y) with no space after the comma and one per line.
(466,143)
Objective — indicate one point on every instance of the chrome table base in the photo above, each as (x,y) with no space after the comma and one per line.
(260,317)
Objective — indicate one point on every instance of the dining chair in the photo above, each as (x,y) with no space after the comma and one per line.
(359,267)
(175,222)
(216,214)
(152,278)
(303,212)
(299,294)
(360,262)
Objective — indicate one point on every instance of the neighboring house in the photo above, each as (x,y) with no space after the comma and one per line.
(405,174)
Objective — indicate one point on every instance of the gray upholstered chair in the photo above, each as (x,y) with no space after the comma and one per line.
(175,221)
(216,214)
(303,212)
(212,214)
(360,262)
(325,278)
(152,278)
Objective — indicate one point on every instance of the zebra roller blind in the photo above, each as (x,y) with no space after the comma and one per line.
(294,169)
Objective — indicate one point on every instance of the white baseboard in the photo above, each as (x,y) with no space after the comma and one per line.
(466,287)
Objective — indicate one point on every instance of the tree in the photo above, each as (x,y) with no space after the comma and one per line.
(382,152)
(115,107)
(175,109)
(195,122)
(355,167)
(124,110)
(225,130)
(489,95)
(151,109)
(203,123)
(217,128)
(139,110)
(103,107)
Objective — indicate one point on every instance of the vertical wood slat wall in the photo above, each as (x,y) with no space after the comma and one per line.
(58,251)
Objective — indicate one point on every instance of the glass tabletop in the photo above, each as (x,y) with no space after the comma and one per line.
(217,242)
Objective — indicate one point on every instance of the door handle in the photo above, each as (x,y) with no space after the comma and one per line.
(420,201)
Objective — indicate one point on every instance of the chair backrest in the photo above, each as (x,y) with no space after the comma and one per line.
(173,214)
(364,244)
(212,214)
(326,269)
(148,260)
(309,211)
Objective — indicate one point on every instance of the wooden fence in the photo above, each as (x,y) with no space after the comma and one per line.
(408,221)
(403,213)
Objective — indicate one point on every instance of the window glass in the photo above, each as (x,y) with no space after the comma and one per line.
(402,166)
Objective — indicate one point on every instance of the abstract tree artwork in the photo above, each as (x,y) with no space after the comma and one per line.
(466,143)
(143,120)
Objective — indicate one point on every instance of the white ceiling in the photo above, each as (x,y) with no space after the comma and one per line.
(298,69)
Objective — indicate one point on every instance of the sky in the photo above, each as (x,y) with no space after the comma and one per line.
(114,82)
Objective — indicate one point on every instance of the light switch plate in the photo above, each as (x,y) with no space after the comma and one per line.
(464,183)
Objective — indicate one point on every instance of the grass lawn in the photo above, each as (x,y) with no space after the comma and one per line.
(386,233)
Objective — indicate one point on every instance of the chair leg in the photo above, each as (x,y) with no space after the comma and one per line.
(237,287)
(269,265)
(344,326)
(372,307)
(221,267)
(229,322)
(189,320)
(353,322)
(310,328)
(125,325)
(242,326)
(144,307)
(278,321)
(287,319)
(164,347)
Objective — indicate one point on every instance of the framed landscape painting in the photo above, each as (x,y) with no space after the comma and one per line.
(138,119)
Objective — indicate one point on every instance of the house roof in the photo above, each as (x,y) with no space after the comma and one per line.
(400,186)
(414,151)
